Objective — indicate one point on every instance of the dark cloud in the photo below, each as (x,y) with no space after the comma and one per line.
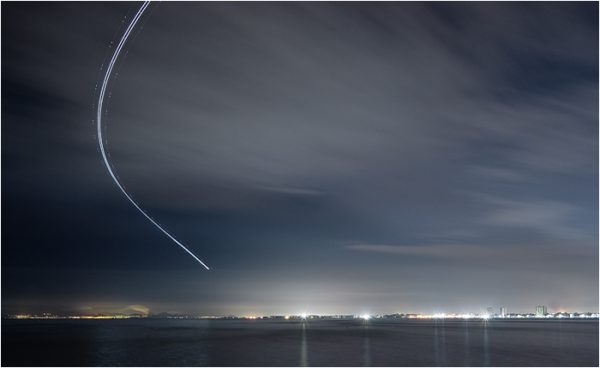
(318,156)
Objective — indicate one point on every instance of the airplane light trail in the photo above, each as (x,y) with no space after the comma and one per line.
(99,127)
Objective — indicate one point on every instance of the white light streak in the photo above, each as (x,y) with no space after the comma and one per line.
(99,127)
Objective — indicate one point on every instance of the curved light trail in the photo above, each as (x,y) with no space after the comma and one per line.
(109,70)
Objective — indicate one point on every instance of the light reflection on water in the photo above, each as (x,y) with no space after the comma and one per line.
(439,342)
(486,344)
(366,345)
(467,345)
(296,343)
(303,347)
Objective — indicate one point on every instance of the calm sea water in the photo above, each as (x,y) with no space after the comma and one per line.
(294,343)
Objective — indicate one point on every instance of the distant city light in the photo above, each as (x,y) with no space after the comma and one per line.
(305,316)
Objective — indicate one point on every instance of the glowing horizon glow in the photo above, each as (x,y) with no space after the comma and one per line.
(109,70)
(366,317)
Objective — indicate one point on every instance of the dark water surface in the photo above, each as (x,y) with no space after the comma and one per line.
(294,343)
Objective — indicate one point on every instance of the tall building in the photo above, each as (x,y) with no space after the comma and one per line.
(541,311)
(503,312)
(490,311)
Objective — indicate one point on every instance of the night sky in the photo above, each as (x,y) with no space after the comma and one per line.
(319,157)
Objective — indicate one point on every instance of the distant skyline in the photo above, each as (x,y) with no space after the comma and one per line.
(322,158)
(142,311)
